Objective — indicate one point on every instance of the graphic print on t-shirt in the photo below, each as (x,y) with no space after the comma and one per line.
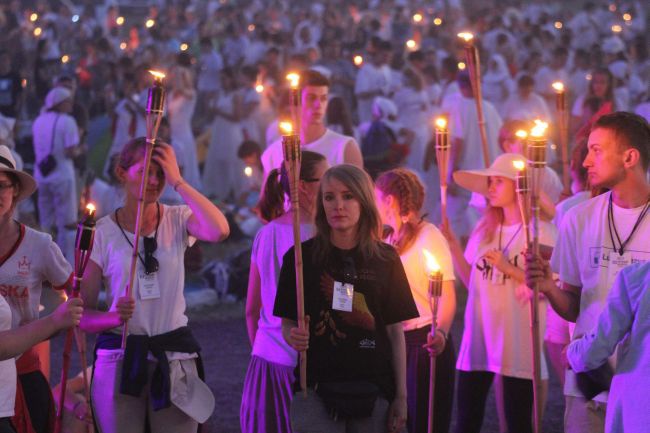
(337,326)
(491,273)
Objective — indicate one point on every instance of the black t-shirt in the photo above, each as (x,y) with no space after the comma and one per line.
(346,346)
(10,88)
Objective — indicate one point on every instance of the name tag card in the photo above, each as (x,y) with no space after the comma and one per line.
(343,296)
(616,263)
(148,285)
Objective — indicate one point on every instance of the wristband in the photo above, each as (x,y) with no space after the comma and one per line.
(178,183)
(443,333)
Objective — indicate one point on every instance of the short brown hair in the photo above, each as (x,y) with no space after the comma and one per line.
(631,131)
(313,78)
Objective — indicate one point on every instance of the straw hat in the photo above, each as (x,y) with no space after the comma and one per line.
(477,180)
(8,165)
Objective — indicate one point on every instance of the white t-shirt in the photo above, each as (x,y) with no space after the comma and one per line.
(584,257)
(7,368)
(371,78)
(66,135)
(463,124)
(270,244)
(112,253)
(533,107)
(37,259)
(497,334)
(331,145)
(416,271)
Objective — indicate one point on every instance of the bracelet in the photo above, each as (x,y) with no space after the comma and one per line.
(178,183)
(443,333)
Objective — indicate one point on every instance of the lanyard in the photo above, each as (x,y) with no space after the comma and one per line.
(155,236)
(612,226)
(511,239)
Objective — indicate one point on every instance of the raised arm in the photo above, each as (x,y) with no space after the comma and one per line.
(207,222)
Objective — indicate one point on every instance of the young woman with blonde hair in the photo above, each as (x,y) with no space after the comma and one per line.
(496,338)
(356,296)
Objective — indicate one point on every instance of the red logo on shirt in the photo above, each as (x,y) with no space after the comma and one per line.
(23,266)
(10,291)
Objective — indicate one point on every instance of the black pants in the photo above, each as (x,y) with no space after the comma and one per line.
(5,426)
(417,383)
(473,388)
(38,399)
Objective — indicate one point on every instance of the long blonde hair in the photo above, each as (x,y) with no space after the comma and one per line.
(486,228)
(369,227)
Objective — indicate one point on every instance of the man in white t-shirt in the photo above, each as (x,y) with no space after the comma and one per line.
(597,239)
(56,135)
(314,135)
(373,79)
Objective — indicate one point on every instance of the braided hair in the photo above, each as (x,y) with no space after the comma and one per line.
(408,191)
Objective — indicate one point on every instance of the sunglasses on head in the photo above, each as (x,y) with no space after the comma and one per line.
(150,262)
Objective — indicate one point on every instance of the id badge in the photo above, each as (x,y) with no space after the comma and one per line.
(148,285)
(616,263)
(343,296)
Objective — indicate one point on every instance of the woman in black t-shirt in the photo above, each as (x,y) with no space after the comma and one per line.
(356,295)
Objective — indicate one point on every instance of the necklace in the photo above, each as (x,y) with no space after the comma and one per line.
(612,226)
(155,236)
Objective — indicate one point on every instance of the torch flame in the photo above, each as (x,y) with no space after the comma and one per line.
(358,60)
(431,262)
(286,127)
(294,80)
(519,165)
(466,36)
(411,44)
(417,17)
(90,209)
(539,129)
(521,134)
(158,76)
(259,88)
(558,86)
(441,123)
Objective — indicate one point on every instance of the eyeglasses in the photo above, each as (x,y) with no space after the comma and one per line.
(151,264)
(6,185)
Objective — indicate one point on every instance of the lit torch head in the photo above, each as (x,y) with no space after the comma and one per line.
(358,60)
(294,80)
(86,229)
(441,123)
(156,97)
(434,273)
(286,128)
(467,37)
(558,86)
(536,148)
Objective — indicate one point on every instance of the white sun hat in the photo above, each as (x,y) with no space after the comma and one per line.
(477,180)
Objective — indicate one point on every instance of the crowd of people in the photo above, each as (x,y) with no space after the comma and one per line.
(74,79)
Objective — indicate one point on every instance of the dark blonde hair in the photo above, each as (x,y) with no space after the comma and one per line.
(131,153)
(369,226)
(271,204)
(406,188)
